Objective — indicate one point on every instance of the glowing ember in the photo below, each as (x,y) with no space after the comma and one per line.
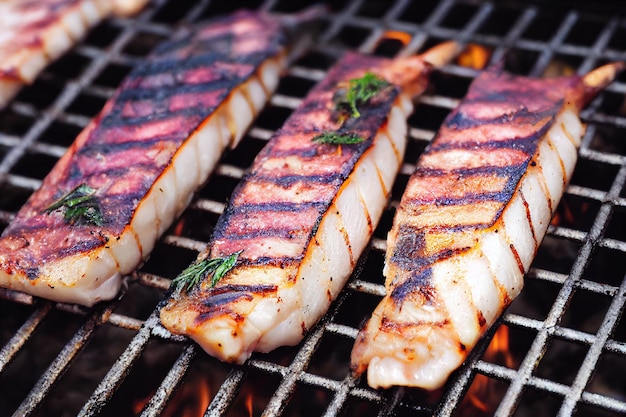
(557,68)
(474,56)
(180,227)
(191,400)
(401,37)
(483,395)
(249,406)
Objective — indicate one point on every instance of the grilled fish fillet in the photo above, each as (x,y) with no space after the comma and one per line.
(156,140)
(302,215)
(470,221)
(35,32)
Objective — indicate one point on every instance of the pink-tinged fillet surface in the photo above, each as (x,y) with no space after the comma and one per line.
(156,140)
(469,223)
(301,217)
(35,32)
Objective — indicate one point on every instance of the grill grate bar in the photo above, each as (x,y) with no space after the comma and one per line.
(227,393)
(157,403)
(61,363)
(599,46)
(512,396)
(20,337)
(287,386)
(574,393)
(119,370)
(547,53)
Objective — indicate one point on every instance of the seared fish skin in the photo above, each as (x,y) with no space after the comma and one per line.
(156,140)
(469,224)
(34,33)
(301,217)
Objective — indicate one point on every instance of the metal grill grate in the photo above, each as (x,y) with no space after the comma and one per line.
(567,333)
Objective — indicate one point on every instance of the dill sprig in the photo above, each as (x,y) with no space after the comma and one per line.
(359,91)
(336,138)
(79,206)
(200,270)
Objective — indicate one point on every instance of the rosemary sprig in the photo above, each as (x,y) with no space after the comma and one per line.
(359,91)
(79,205)
(199,270)
(336,138)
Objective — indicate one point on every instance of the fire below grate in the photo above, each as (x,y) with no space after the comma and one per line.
(566,333)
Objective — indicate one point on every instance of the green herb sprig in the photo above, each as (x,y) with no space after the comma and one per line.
(79,205)
(335,138)
(359,91)
(199,270)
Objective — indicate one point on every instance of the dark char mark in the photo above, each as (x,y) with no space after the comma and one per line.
(77,174)
(200,60)
(418,281)
(469,198)
(409,251)
(459,120)
(272,207)
(510,171)
(281,262)
(218,298)
(527,144)
(92,149)
(289,180)
(231,210)
(161,93)
(115,119)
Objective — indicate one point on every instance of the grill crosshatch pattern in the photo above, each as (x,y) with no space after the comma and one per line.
(567,328)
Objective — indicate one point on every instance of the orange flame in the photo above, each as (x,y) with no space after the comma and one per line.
(480,399)
(566,214)
(474,56)
(249,406)
(180,227)
(401,37)
(191,400)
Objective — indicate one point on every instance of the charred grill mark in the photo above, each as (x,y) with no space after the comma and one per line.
(469,198)
(242,290)
(348,245)
(418,281)
(224,224)
(521,116)
(272,207)
(290,180)
(520,265)
(508,170)
(283,233)
(366,212)
(278,261)
(220,298)
(526,144)
(529,218)
(391,325)
(305,152)
(480,318)
(409,251)
(165,92)
(404,261)
(32,273)
(95,150)
(113,121)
